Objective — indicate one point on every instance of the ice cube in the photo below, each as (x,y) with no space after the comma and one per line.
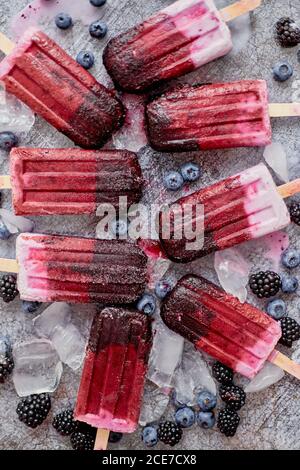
(241,31)
(269,375)
(165,355)
(132,136)
(56,324)
(15,116)
(192,376)
(155,402)
(233,272)
(276,158)
(16,223)
(37,369)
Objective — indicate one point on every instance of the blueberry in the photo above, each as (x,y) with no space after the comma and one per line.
(176,402)
(206,419)
(276,308)
(190,171)
(282,71)
(289,284)
(149,436)
(98,29)
(115,437)
(147,304)
(173,180)
(119,227)
(185,417)
(98,3)
(162,288)
(30,307)
(207,401)
(8,140)
(63,21)
(86,59)
(5,234)
(290,258)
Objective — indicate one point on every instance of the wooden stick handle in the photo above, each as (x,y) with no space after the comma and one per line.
(5,182)
(239,8)
(6,45)
(289,189)
(9,265)
(285,363)
(284,109)
(101,439)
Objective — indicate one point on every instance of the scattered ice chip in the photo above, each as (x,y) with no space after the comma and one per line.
(157,269)
(15,223)
(192,376)
(15,116)
(155,402)
(269,375)
(241,32)
(233,272)
(276,158)
(37,369)
(132,136)
(55,323)
(165,355)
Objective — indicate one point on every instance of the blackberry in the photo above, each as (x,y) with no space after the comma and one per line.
(6,359)
(8,288)
(64,422)
(228,421)
(222,374)
(34,409)
(265,284)
(83,439)
(169,433)
(294,209)
(233,396)
(290,331)
(287,32)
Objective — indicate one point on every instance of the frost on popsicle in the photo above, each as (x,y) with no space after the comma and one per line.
(269,375)
(15,116)
(192,376)
(165,355)
(37,367)
(55,323)
(233,272)
(276,158)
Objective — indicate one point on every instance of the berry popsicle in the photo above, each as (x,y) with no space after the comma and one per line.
(71,181)
(240,208)
(114,370)
(238,335)
(53,85)
(56,268)
(177,40)
(218,116)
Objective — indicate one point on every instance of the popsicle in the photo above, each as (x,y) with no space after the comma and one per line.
(56,268)
(177,40)
(238,335)
(217,116)
(71,181)
(240,208)
(52,84)
(114,370)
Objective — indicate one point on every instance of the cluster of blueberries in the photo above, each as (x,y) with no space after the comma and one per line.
(98,29)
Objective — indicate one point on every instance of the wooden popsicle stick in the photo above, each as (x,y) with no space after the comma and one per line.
(284,109)
(285,363)
(9,265)
(239,8)
(6,45)
(101,439)
(5,182)
(289,189)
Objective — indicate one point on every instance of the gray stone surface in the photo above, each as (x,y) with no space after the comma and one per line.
(271,419)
